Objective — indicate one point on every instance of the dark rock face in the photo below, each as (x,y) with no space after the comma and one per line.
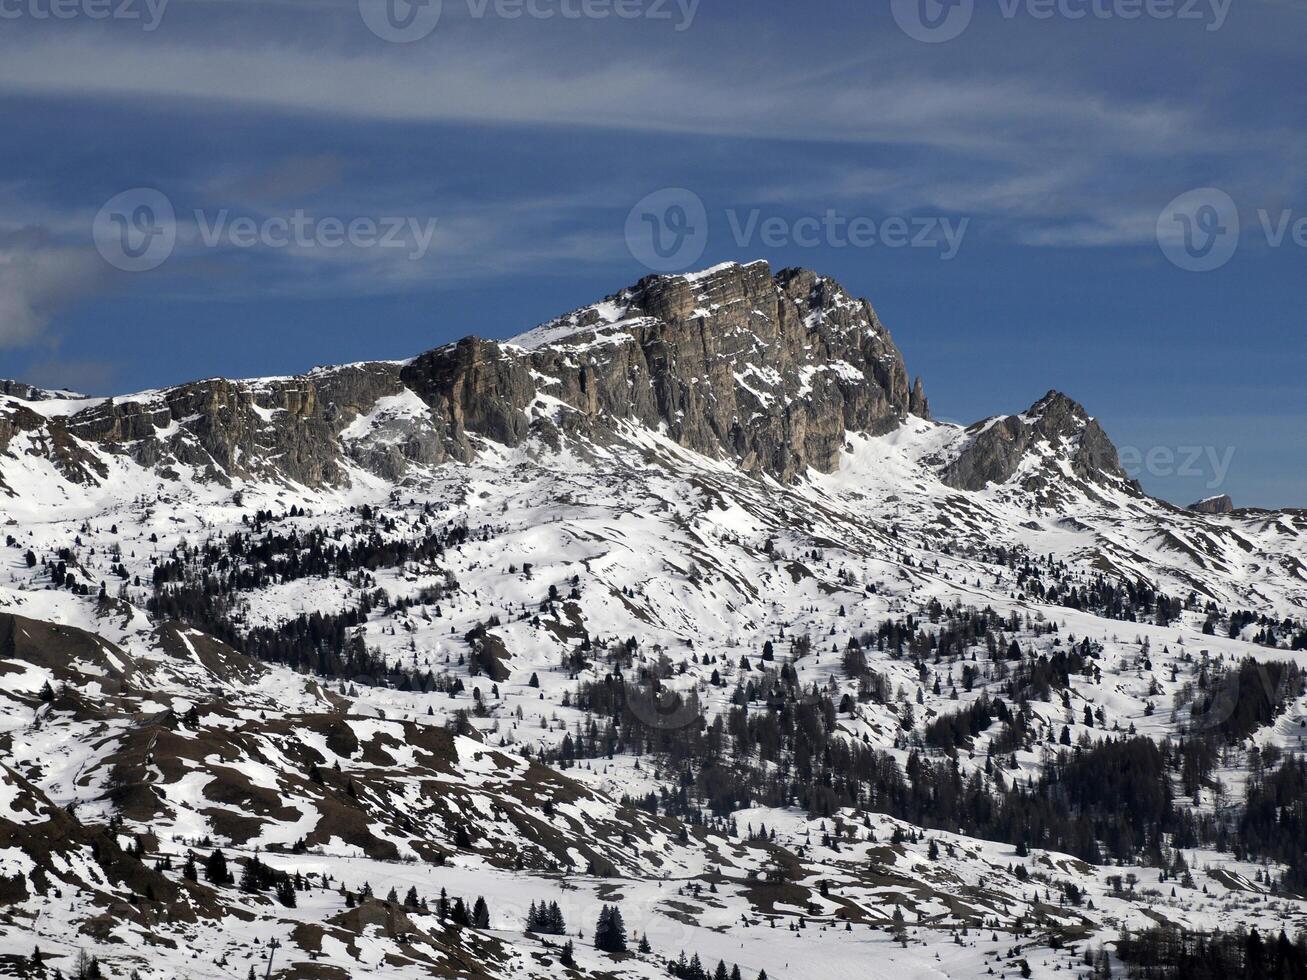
(474,386)
(28,393)
(770,371)
(1214,505)
(31,393)
(283,427)
(49,438)
(15,418)
(918,404)
(998,447)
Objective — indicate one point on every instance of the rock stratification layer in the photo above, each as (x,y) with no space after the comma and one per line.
(734,362)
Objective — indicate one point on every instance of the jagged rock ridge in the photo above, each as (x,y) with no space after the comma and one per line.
(997,448)
(770,371)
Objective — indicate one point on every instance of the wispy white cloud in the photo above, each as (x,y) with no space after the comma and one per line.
(38,279)
(1041,159)
(991,115)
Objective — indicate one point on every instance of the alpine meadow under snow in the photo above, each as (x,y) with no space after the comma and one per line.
(670,638)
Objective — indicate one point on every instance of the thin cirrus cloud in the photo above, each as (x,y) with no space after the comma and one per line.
(1018,118)
(995,117)
(1045,160)
(1007,128)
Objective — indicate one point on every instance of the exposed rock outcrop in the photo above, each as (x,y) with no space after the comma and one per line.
(1055,428)
(770,371)
(1214,505)
(282,427)
(31,393)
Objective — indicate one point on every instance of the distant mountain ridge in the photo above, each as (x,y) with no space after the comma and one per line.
(768,371)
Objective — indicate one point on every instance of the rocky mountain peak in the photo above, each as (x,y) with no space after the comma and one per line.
(1055,430)
(769,371)
(1214,505)
(1058,405)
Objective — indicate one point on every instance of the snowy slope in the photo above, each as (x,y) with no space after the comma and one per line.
(574,556)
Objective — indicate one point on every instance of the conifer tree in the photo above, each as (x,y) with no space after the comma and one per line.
(610,931)
(215,869)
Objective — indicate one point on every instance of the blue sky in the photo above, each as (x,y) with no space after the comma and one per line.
(1056,141)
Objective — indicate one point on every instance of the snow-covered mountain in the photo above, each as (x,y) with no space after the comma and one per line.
(681,603)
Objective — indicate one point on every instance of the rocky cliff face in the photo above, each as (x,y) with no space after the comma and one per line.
(769,371)
(1055,428)
(283,427)
(1214,505)
(31,393)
